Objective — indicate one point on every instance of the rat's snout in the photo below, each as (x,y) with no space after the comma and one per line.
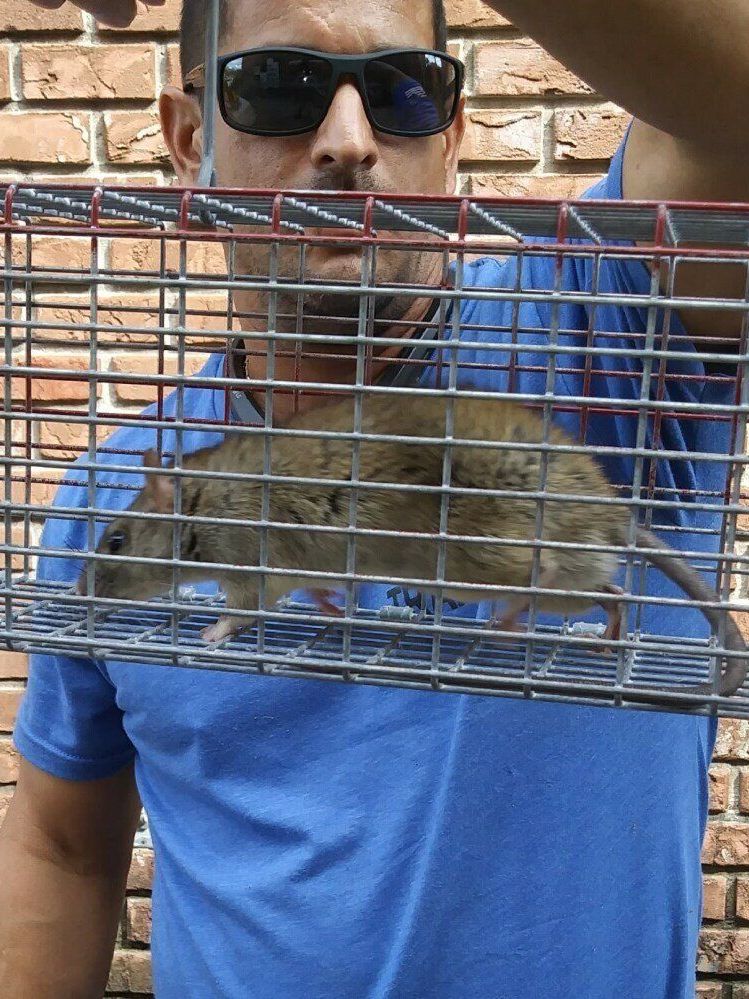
(82,589)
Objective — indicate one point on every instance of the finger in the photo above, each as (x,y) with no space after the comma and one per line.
(113,13)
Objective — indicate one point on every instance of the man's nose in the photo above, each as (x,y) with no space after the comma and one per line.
(345,139)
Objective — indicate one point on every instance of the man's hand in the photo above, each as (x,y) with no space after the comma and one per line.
(115,13)
(681,68)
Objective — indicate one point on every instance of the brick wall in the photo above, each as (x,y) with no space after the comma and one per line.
(77,102)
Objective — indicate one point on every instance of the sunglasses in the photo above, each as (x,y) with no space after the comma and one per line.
(288,91)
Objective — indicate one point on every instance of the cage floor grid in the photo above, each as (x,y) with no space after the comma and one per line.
(380,652)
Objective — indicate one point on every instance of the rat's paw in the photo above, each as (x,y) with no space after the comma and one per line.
(324,603)
(507,623)
(225,627)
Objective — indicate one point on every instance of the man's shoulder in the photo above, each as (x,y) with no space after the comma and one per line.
(484,271)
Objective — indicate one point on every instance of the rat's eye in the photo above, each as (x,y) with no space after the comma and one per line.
(115,541)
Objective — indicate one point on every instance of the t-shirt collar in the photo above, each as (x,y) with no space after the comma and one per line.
(246,412)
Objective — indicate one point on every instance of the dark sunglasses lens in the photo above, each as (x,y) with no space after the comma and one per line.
(411,92)
(276,92)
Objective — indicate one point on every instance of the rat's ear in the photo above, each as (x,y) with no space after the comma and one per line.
(160,488)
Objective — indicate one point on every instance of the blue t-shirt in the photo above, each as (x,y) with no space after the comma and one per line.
(318,840)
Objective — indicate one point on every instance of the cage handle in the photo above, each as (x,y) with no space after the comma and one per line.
(207,173)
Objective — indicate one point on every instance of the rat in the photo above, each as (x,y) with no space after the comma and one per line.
(476,564)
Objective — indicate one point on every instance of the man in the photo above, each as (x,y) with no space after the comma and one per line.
(317,840)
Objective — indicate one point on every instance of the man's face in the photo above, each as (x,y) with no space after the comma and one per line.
(343,153)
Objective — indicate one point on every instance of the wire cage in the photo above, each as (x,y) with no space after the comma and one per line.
(241,314)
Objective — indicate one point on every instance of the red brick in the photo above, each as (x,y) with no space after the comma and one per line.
(128,254)
(16,17)
(726,844)
(735,587)
(723,952)
(21,436)
(709,990)
(521,68)
(67,441)
(742,519)
(6,793)
(10,698)
(9,760)
(140,312)
(86,72)
(134,137)
(206,313)
(206,258)
(744,792)
(92,179)
(13,665)
(147,364)
(131,972)
(40,137)
(4,73)
(58,252)
(32,485)
(732,742)
(503,135)
(714,888)
(588,134)
(173,68)
(742,899)
(138,920)
(720,777)
(473,14)
(523,185)
(131,179)
(140,875)
(158,20)
(45,389)
(742,620)
(18,538)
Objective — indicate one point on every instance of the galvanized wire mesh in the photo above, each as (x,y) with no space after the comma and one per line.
(113,299)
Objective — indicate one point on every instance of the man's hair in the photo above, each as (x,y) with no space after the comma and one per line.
(192,30)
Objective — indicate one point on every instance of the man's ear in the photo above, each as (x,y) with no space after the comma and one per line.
(158,488)
(453,139)
(182,126)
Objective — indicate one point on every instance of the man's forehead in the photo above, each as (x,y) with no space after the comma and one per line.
(344,26)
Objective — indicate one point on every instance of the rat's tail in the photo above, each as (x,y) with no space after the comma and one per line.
(696,588)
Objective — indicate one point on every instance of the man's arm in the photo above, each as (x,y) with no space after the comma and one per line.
(64,855)
(677,67)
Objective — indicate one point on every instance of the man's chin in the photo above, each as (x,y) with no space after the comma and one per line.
(339,261)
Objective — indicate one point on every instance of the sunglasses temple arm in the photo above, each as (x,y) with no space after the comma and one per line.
(206,174)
